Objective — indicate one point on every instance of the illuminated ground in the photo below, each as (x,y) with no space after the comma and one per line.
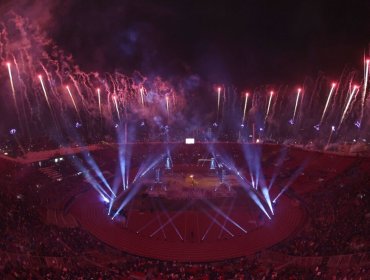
(187,215)
(136,234)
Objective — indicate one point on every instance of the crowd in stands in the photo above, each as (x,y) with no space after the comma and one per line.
(31,249)
(339,218)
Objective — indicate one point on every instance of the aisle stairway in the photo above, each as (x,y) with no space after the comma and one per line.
(50,172)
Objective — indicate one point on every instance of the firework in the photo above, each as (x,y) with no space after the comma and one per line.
(354,90)
(364,88)
(245,106)
(44,91)
(13,90)
(296,105)
(142,95)
(218,100)
(269,105)
(11,83)
(116,105)
(47,101)
(99,100)
(333,85)
(160,97)
(167,105)
(73,101)
(77,87)
(331,134)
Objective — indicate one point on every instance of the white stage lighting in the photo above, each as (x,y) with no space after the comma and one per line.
(189,141)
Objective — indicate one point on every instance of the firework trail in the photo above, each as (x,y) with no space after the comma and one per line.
(354,90)
(330,135)
(333,85)
(23,90)
(31,49)
(218,100)
(269,105)
(73,101)
(142,95)
(116,105)
(44,91)
(99,101)
(245,106)
(11,83)
(364,89)
(296,105)
(13,92)
(167,106)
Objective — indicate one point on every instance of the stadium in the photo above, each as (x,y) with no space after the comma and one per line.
(192,212)
(135,159)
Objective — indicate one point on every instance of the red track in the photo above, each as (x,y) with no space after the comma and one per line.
(92,215)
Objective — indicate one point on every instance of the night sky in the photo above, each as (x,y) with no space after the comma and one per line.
(244,43)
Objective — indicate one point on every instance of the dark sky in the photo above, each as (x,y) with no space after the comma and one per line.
(246,43)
